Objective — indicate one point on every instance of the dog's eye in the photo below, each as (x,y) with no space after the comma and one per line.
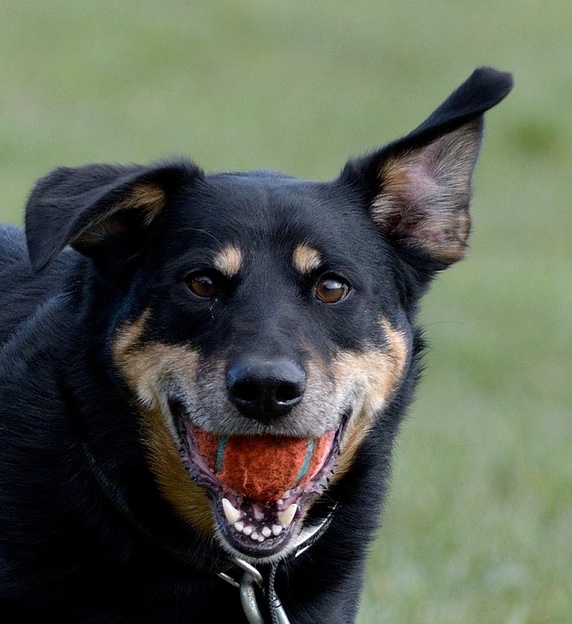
(204,285)
(332,289)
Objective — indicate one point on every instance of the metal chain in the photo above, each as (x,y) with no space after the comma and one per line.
(252,580)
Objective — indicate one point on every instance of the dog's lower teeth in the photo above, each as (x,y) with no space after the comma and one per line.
(254,522)
(260,535)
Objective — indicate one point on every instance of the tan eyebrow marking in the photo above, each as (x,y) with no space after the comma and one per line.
(306,259)
(229,261)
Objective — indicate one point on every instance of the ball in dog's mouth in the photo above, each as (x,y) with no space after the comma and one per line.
(261,485)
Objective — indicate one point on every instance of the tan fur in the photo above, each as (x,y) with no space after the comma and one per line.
(148,197)
(188,499)
(306,259)
(145,367)
(375,374)
(229,261)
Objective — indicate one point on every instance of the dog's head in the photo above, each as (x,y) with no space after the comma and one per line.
(258,307)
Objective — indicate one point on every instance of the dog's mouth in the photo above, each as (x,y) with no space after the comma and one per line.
(261,486)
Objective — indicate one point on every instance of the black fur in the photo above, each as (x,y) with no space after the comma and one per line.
(85,534)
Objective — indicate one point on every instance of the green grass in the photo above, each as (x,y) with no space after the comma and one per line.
(478,527)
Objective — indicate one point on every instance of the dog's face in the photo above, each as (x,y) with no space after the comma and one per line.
(263,305)
(265,308)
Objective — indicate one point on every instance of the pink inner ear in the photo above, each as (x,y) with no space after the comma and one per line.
(425,193)
(418,184)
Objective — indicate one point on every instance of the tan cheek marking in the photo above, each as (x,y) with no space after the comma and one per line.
(127,337)
(144,368)
(306,259)
(229,261)
(189,500)
(375,374)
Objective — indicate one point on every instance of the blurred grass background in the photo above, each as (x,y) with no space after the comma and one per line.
(478,527)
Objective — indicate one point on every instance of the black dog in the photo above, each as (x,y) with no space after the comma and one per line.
(150,308)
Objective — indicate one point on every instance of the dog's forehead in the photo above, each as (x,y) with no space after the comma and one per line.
(254,211)
(266,202)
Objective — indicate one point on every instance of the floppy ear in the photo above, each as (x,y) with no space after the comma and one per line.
(93,207)
(419,187)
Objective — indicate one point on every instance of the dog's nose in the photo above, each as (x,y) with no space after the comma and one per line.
(265,388)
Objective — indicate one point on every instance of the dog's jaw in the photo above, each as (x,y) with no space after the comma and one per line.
(259,530)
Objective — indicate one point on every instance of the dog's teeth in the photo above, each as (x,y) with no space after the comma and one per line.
(237,520)
(232,514)
(287,516)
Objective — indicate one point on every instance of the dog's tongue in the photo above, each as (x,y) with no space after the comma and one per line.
(264,467)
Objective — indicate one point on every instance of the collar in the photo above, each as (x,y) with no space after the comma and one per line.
(255,589)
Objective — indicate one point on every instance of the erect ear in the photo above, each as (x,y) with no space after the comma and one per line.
(92,207)
(419,187)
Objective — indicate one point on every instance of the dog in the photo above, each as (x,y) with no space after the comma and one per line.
(150,313)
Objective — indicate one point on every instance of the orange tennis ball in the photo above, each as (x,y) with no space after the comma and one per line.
(262,467)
